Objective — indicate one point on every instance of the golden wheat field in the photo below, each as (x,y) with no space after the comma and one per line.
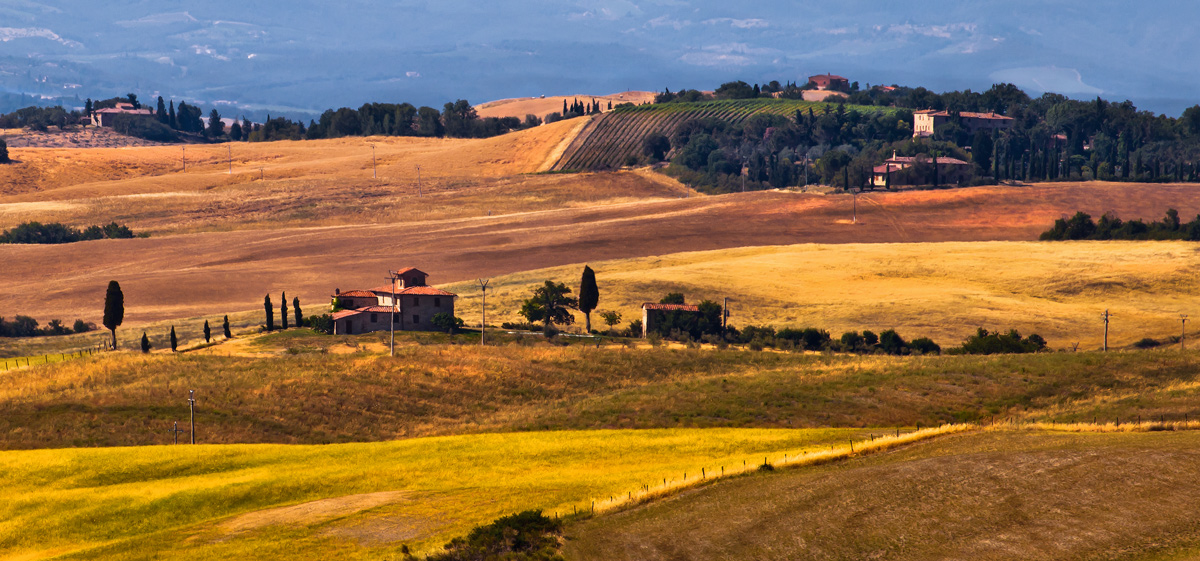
(942,290)
(542,106)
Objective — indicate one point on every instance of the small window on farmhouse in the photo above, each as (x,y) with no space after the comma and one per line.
(374,318)
(437,302)
(416,301)
(395,318)
(416,319)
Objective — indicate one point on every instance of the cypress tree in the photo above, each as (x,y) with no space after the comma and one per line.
(270,313)
(296,310)
(145,343)
(207,332)
(89,108)
(4,159)
(114,309)
(225,327)
(589,296)
(172,121)
(283,312)
(174,340)
(161,112)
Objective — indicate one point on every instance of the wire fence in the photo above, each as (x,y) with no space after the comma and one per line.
(7,364)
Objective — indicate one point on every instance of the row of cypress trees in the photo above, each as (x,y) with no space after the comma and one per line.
(269,308)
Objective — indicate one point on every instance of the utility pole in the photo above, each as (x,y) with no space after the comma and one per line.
(483,284)
(725,315)
(374,170)
(230,150)
(184,157)
(419,180)
(1107,316)
(175,432)
(192,410)
(392,346)
(854,195)
(1183,334)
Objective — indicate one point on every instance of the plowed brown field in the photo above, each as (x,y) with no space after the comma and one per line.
(189,275)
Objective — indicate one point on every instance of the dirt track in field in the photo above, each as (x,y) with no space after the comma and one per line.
(188,275)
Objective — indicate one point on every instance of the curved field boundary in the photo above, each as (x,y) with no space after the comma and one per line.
(610,139)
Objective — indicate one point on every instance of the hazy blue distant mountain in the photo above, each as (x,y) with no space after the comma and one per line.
(301,56)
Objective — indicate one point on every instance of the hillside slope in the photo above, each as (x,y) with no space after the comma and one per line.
(610,139)
(988,497)
(230,271)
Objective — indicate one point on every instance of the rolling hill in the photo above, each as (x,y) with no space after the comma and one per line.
(986,496)
(610,139)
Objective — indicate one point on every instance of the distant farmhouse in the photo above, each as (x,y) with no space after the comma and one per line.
(652,314)
(830,82)
(364,311)
(104,117)
(905,170)
(927,121)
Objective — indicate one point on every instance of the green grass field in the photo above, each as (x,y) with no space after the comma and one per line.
(984,496)
(208,501)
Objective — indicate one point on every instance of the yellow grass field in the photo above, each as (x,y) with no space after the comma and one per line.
(348,501)
(943,290)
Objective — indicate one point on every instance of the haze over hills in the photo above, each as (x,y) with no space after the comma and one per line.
(301,57)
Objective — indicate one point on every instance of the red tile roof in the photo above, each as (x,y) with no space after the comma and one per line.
(357,294)
(671,307)
(828,77)
(366,310)
(411,270)
(107,110)
(964,114)
(412,291)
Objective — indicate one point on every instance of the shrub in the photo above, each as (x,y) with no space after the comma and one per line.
(446,322)
(321,324)
(985,343)
(143,127)
(925,346)
(1147,343)
(525,536)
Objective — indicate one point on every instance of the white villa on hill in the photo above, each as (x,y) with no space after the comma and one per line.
(415,303)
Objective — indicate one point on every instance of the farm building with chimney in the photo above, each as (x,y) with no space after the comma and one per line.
(408,303)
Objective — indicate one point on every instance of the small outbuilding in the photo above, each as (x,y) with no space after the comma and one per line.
(652,314)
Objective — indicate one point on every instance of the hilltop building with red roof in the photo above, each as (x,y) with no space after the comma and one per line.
(927,121)
(408,302)
(830,82)
(104,117)
(950,170)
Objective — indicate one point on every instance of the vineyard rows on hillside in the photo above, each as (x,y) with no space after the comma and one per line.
(610,139)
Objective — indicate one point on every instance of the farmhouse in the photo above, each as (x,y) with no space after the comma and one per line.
(829,82)
(414,305)
(918,170)
(104,117)
(652,314)
(927,121)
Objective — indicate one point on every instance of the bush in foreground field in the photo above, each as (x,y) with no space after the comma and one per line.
(985,343)
(526,536)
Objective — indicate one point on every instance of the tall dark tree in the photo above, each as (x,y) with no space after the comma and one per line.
(171,120)
(235,131)
(225,328)
(145,343)
(283,311)
(550,303)
(4,159)
(207,332)
(216,127)
(133,100)
(89,108)
(296,310)
(161,112)
(589,296)
(981,150)
(270,312)
(114,309)
(174,340)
